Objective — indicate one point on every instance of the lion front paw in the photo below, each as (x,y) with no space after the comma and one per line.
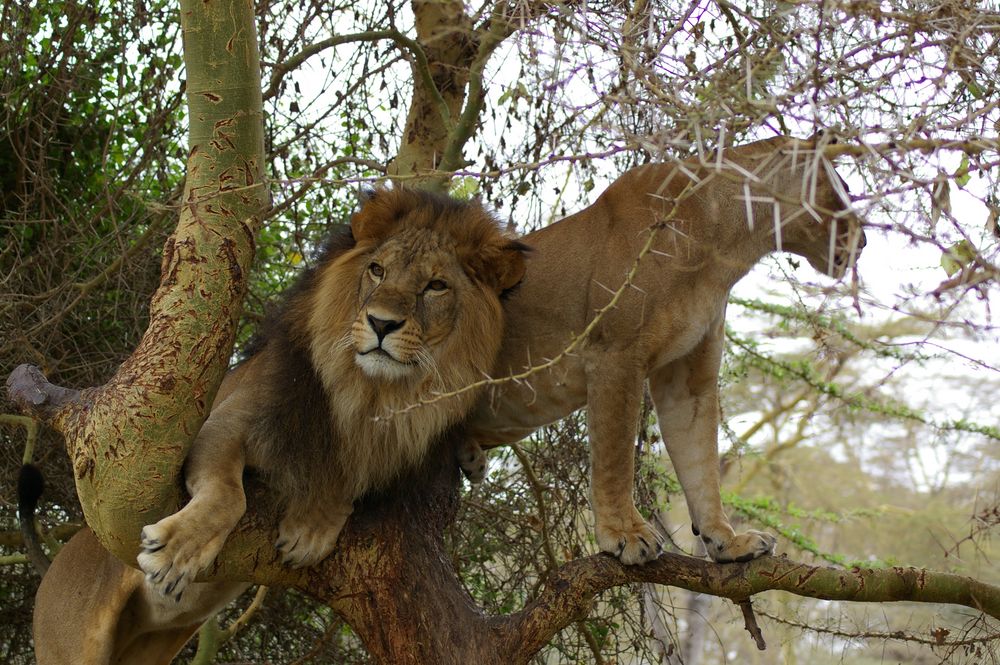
(741,547)
(305,539)
(173,553)
(472,459)
(633,542)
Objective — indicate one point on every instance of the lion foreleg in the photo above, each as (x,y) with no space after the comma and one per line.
(308,531)
(178,547)
(687,406)
(614,397)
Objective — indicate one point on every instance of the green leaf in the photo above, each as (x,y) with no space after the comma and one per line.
(957,257)
(962,175)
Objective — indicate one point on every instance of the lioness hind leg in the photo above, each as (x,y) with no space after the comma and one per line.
(308,533)
(613,405)
(687,407)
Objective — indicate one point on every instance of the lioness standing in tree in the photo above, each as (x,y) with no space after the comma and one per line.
(711,222)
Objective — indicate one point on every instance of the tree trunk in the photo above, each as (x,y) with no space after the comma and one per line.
(445,37)
(128,438)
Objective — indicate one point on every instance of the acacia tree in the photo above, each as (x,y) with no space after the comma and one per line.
(170,378)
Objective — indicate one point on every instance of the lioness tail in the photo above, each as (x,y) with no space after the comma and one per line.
(30,486)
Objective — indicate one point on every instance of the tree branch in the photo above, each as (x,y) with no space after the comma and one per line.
(570,591)
(421,67)
(31,392)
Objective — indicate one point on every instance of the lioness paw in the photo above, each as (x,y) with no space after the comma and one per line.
(306,540)
(173,554)
(472,459)
(741,547)
(634,544)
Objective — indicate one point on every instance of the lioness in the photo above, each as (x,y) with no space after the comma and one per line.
(407,305)
(711,222)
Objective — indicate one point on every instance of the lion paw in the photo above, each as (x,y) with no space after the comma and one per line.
(741,547)
(305,540)
(472,459)
(173,554)
(633,544)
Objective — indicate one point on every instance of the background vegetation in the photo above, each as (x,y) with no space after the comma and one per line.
(859,419)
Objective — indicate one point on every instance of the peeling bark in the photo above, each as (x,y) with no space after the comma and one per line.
(128,438)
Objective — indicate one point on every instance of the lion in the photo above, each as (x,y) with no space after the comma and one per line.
(703,224)
(407,306)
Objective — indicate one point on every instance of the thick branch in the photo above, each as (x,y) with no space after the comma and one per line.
(31,392)
(571,590)
(128,438)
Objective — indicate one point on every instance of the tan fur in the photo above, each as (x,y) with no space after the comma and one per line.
(318,410)
(667,328)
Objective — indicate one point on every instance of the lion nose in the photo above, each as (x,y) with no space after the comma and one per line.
(383,327)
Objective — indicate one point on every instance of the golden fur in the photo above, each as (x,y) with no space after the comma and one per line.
(667,327)
(409,305)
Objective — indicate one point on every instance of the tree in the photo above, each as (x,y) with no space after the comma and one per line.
(756,67)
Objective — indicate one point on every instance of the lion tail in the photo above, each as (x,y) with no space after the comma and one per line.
(30,486)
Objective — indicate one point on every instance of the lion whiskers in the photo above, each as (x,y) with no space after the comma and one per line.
(426,362)
(345,343)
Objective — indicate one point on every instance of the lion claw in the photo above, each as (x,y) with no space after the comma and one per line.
(740,548)
(306,542)
(631,544)
(171,557)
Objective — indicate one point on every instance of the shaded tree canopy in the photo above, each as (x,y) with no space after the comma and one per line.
(858,418)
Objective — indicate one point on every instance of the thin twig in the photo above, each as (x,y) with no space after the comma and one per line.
(750,623)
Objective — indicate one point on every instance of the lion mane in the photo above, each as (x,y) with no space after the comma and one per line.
(325,422)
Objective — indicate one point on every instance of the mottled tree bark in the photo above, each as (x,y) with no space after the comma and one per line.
(128,438)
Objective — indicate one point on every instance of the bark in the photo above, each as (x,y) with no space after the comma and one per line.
(445,41)
(128,438)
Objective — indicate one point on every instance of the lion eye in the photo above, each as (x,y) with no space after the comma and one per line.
(437,285)
(377,271)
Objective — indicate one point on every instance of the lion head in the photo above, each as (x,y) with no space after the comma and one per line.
(411,311)
(824,229)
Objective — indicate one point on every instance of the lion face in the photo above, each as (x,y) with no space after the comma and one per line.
(409,296)
(422,309)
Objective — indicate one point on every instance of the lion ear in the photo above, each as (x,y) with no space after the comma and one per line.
(511,264)
(378,215)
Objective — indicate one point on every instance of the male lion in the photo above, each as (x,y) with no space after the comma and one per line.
(710,223)
(406,306)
